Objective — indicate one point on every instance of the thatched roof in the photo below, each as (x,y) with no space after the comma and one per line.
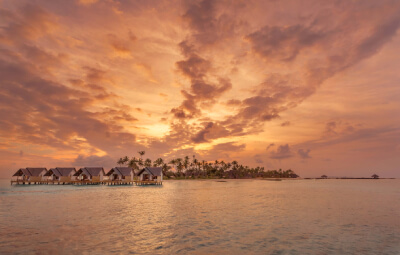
(36,171)
(50,172)
(30,171)
(155,171)
(65,171)
(61,171)
(112,170)
(21,171)
(90,171)
(124,171)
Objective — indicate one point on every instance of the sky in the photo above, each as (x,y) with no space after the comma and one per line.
(308,85)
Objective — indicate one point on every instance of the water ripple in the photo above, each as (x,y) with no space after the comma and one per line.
(203,217)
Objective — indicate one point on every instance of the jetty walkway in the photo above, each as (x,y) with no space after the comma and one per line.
(86,182)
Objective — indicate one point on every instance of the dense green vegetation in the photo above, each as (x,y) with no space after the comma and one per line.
(194,168)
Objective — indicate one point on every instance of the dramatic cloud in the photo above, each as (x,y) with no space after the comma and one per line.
(231,146)
(90,81)
(105,161)
(43,112)
(210,25)
(304,154)
(29,23)
(283,43)
(210,131)
(223,151)
(282,152)
(202,92)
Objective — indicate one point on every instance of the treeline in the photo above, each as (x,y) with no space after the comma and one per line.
(193,168)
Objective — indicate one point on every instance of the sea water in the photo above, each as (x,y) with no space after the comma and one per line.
(203,217)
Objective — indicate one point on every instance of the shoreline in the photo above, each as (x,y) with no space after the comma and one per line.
(272,179)
(280,179)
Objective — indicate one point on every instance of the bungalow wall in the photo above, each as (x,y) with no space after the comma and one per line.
(117,175)
(54,177)
(97,178)
(89,177)
(150,177)
(26,177)
(145,176)
(129,177)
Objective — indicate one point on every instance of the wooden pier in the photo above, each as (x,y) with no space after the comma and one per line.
(86,182)
(27,182)
(140,183)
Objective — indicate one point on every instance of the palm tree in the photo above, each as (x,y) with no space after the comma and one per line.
(179,166)
(288,173)
(165,169)
(158,162)
(141,153)
(123,161)
(186,163)
(147,162)
(196,168)
(120,161)
(173,163)
(133,163)
(140,160)
(195,163)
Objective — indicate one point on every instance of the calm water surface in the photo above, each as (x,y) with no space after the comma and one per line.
(203,217)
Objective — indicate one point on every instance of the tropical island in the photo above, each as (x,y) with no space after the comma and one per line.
(193,168)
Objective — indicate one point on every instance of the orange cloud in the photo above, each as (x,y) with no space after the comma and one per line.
(91,80)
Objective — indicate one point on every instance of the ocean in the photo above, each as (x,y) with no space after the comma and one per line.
(203,217)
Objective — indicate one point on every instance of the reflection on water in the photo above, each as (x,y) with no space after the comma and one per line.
(202,217)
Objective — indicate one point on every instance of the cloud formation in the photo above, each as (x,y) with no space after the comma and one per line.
(283,43)
(304,154)
(85,81)
(104,161)
(203,93)
(282,152)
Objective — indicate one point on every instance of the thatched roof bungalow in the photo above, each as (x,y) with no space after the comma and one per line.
(62,174)
(121,173)
(151,174)
(94,174)
(32,174)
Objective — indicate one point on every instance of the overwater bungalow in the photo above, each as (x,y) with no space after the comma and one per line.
(61,174)
(90,174)
(30,174)
(154,174)
(121,173)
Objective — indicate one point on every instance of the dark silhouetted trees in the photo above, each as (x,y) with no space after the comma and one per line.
(375,176)
(185,168)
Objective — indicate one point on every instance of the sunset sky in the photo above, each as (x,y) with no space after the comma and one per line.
(307,85)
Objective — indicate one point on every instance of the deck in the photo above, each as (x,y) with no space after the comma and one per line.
(139,183)
(86,182)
